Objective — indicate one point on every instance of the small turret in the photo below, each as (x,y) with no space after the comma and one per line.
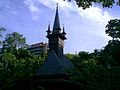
(48,31)
(64,33)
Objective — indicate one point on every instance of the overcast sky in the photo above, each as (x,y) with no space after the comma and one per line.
(85,28)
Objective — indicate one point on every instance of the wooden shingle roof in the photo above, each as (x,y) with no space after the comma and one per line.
(55,65)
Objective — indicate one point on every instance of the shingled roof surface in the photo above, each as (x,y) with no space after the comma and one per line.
(55,65)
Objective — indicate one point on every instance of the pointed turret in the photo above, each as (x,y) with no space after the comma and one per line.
(56,26)
(48,31)
(64,33)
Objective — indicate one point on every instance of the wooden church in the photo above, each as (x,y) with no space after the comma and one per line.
(55,72)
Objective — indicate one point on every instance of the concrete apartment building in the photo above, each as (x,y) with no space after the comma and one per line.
(38,48)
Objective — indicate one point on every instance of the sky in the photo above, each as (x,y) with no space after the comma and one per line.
(85,28)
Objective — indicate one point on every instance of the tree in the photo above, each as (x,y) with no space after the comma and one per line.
(87,3)
(14,41)
(14,69)
(113,50)
(110,55)
(84,55)
(113,28)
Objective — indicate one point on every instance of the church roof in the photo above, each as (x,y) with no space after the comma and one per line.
(56,26)
(55,65)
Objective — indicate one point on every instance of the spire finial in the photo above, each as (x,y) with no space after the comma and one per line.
(57,7)
(56,26)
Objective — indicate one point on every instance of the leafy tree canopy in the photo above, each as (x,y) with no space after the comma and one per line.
(15,40)
(84,55)
(113,28)
(87,3)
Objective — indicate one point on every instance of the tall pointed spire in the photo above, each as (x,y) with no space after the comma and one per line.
(56,26)
(57,37)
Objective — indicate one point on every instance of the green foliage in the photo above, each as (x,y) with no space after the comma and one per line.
(113,28)
(114,78)
(112,50)
(70,56)
(13,69)
(93,76)
(84,55)
(22,53)
(16,62)
(87,3)
(14,41)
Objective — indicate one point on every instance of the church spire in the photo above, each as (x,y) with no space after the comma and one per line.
(57,37)
(56,26)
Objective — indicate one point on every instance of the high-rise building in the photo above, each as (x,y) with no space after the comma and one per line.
(38,48)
